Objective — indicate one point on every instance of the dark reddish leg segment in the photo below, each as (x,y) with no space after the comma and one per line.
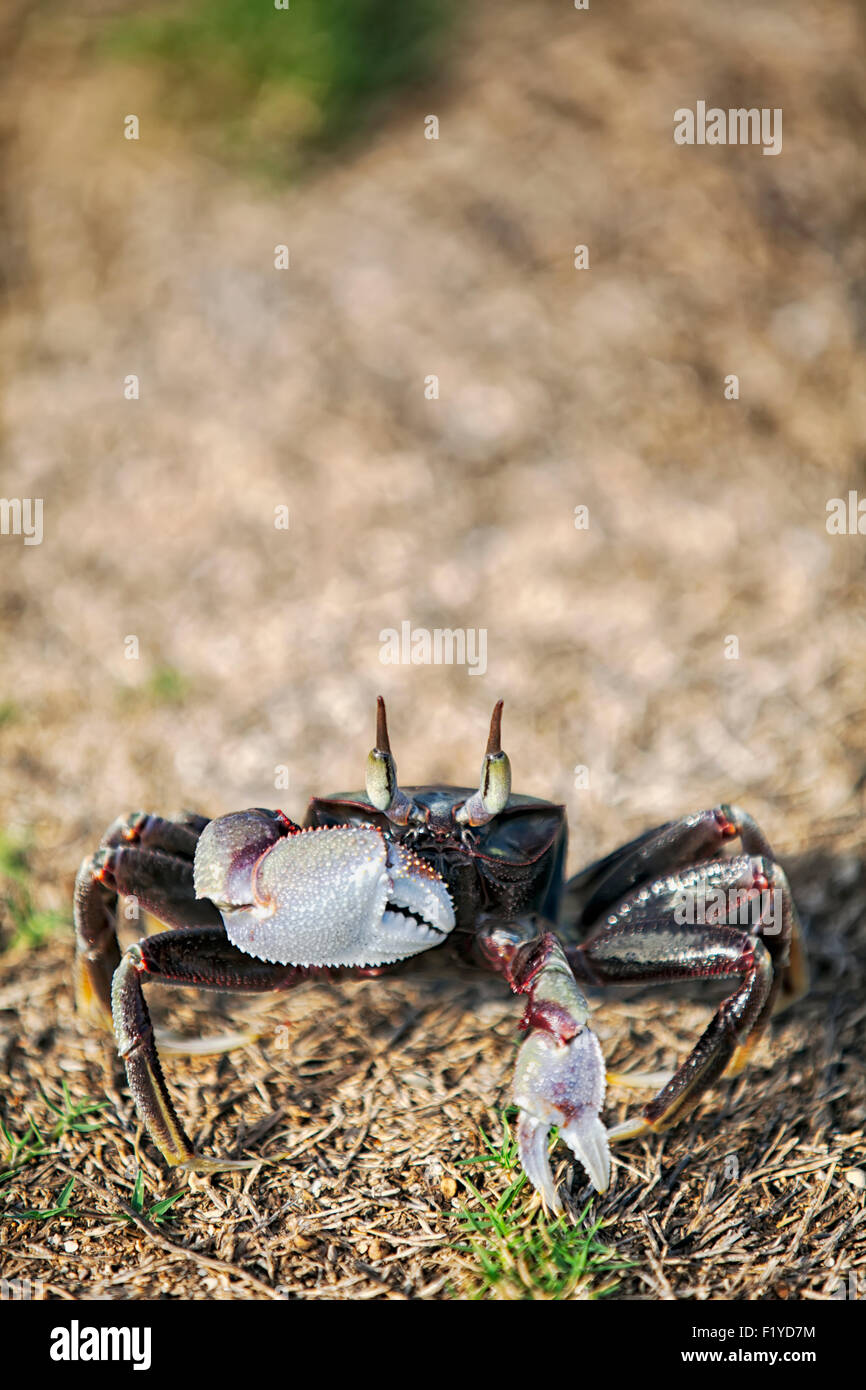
(161,883)
(145,857)
(532,960)
(97,953)
(204,958)
(652,953)
(153,832)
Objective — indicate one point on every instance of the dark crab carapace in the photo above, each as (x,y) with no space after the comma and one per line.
(257,903)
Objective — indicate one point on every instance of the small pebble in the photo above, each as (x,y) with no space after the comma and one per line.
(70,1246)
(448,1187)
(857,1178)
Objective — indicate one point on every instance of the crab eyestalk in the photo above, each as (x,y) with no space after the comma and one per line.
(382,788)
(494,787)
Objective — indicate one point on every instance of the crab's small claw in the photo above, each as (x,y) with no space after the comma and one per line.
(561,1083)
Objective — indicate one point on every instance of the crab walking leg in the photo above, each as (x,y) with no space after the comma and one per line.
(641,948)
(744,891)
(662,850)
(143,857)
(97,953)
(653,952)
(656,852)
(559,1077)
(201,957)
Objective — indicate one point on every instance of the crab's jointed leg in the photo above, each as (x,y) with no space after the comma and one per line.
(146,857)
(203,958)
(682,845)
(644,941)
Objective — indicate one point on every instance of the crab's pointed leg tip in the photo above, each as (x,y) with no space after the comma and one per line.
(639,1080)
(532,1144)
(586,1136)
(197,1164)
(628,1129)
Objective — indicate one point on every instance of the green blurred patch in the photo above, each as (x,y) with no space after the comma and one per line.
(9,712)
(165,685)
(23,923)
(273,86)
(13,860)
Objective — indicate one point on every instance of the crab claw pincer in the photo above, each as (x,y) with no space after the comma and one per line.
(561,1083)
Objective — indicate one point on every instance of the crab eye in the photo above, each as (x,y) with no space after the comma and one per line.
(381,779)
(494,787)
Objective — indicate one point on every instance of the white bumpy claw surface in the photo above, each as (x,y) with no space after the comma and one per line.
(328,897)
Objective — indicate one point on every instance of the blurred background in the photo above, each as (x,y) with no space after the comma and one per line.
(307,388)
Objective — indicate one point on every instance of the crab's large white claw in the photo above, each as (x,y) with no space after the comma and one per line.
(561,1083)
(329,896)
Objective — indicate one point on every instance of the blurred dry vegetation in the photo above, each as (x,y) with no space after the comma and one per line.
(259,647)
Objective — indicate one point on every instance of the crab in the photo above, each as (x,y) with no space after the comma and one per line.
(256,903)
